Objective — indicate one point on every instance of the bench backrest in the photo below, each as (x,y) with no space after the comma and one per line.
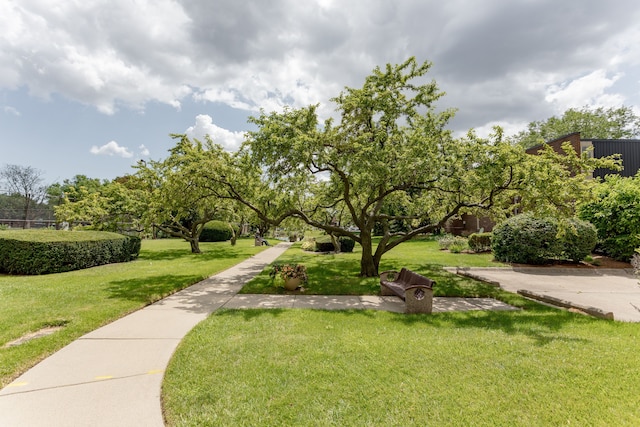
(409,277)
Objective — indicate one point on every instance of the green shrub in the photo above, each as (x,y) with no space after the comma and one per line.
(578,240)
(308,245)
(616,215)
(53,251)
(324,244)
(480,242)
(525,239)
(455,244)
(216,231)
(346,244)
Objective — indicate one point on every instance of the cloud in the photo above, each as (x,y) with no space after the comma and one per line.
(144,151)
(10,110)
(498,61)
(586,90)
(204,126)
(111,148)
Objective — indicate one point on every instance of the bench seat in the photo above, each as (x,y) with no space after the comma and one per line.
(416,290)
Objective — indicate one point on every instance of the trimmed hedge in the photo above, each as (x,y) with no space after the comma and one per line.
(324,244)
(32,252)
(216,231)
(525,239)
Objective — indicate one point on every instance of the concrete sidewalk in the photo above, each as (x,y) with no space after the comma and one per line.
(614,291)
(113,375)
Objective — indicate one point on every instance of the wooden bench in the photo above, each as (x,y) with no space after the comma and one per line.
(415,289)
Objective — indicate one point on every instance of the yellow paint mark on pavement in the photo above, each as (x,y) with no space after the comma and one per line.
(22,384)
(155,371)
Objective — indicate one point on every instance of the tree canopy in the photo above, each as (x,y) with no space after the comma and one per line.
(388,158)
(597,123)
(178,199)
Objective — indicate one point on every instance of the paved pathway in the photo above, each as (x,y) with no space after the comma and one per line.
(113,375)
(609,290)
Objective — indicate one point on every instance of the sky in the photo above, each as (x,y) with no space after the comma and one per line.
(89,87)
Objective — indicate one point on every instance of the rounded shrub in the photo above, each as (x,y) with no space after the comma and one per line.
(308,245)
(216,231)
(346,244)
(525,239)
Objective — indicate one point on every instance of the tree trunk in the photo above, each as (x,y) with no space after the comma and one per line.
(195,246)
(368,265)
(234,235)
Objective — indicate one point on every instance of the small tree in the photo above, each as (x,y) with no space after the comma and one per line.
(27,182)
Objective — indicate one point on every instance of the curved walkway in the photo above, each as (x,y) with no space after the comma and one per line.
(113,375)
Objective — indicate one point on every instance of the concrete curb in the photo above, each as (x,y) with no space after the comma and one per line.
(595,312)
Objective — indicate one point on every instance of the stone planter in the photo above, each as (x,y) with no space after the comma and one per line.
(292,283)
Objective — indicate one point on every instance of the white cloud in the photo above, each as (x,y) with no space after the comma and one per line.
(586,90)
(250,55)
(111,148)
(204,126)
(10,110)
(144,151)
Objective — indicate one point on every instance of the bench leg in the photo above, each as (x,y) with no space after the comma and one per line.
(418,300)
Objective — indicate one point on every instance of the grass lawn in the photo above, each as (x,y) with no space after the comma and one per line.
(84,300)
(338,274)
(364,368)
(537,367)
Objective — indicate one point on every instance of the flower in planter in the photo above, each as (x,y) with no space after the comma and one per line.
(289,271)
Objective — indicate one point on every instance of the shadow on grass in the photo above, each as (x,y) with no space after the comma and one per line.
(150,289)
(175,254)
(543,326)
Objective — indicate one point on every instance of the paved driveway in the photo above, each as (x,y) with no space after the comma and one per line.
(610,290)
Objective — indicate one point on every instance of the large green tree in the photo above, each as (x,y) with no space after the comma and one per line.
(592,123)
(388,159)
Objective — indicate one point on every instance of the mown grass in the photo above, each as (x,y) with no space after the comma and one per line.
(365,368)
(338,274)
(84,300)
(536,367)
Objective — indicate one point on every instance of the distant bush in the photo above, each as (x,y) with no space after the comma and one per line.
(480,242)
(526,239)
(50,251)
(216,231)
(324,244)
(308,245)
(346,244)
(455,244)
